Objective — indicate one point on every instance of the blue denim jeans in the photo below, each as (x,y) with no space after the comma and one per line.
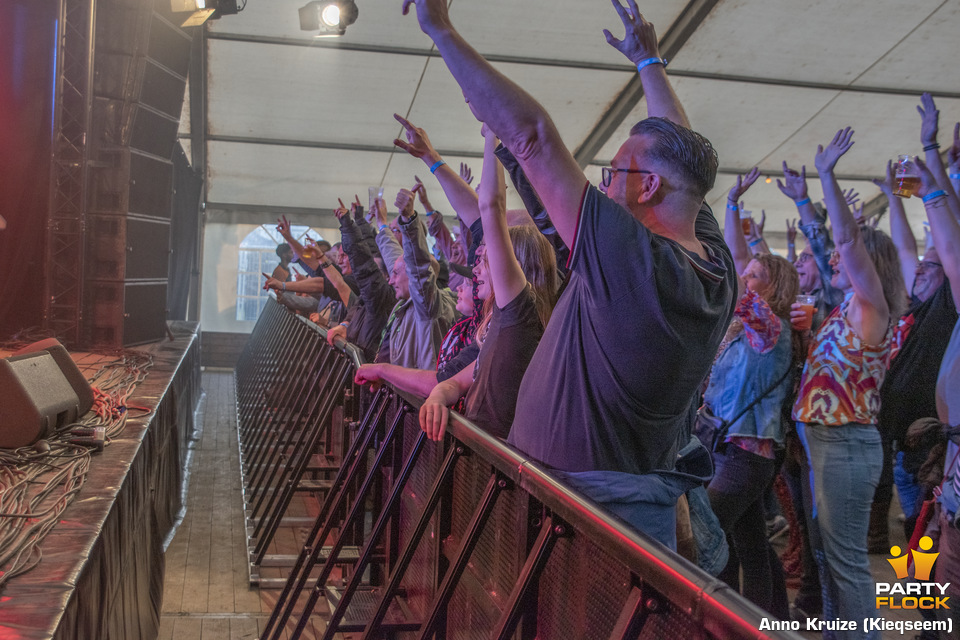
(845,464)
(712,549)
(907,488)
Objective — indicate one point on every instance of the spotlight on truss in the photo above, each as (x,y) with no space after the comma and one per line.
(202,10)
(329,17)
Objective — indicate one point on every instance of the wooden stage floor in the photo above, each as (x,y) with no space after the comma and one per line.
(206,593)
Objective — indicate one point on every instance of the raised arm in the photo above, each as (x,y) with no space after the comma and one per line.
(732,230)
(792,240)
(640,46)
(900,231)
(929,126)
(522,124)
(462,197)
(534,207)
(283,228)
(943,226)
(424,290)
(390,249)
(869,314)
(953,159)
(373,284)
(794,186)
(505,271)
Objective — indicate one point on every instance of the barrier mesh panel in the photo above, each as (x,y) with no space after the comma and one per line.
(602,586)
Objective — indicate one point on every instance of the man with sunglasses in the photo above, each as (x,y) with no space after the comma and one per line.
(611,391)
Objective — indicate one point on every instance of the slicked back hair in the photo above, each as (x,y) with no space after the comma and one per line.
(684,150)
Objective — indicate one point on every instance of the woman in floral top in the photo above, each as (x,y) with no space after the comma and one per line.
(839,399)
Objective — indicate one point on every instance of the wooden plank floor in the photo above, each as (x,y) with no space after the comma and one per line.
(206,593)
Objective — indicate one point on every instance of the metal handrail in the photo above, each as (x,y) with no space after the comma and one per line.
(710,602)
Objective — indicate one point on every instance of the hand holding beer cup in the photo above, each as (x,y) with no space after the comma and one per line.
(905,180)
(801,312)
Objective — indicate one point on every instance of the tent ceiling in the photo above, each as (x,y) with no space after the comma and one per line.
(296,121)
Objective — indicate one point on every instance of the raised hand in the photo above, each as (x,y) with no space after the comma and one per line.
(851,196)
(791,231)
(928,184)
(404,202)
(271,283)
(794,184)
(465,173)
(341,210)
(356,209)
(953,153)
(929,119)
(417,144)
(283,227)
(827,157)
(640,41)
(743,183)
(886,184)
(431,14)
(858,214)
(380,211)
(755,234)
(421,192)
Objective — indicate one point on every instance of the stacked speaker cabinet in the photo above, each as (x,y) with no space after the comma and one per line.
(141,66)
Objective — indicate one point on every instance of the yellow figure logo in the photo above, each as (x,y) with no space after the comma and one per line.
(900,564)
(923,561)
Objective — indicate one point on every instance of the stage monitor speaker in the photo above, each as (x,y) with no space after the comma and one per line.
(41,389)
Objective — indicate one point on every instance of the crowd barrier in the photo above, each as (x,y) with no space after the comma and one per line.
(466,538)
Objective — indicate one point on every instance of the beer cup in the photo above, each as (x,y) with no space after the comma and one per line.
(906,181)
(808,306)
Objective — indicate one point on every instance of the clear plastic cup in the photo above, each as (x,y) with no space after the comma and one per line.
(809,305)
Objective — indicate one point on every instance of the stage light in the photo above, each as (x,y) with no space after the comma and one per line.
(329,17)
(202,10)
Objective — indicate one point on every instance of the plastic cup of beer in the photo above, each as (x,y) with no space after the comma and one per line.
(745,219)
(373,193)
(808,306)
(906,180)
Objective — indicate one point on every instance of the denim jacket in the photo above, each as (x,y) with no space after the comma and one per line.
(740,375)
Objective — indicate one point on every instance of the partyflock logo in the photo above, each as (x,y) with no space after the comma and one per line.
(907,593)
(919,593)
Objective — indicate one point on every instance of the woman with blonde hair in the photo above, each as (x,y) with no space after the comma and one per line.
(517,279)
(750,380)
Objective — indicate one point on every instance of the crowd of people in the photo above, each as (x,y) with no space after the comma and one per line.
(687,379)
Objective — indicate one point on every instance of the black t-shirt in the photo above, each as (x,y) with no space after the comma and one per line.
(629,343)
(909,389)
(512,337)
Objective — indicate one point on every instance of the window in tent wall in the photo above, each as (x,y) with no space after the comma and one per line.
(258,255)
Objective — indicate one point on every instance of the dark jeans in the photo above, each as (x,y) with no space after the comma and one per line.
(736,495)
(809,596)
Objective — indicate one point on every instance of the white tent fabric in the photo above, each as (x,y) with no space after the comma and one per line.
(298,121)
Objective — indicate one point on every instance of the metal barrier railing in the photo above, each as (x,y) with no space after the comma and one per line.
(468,538)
